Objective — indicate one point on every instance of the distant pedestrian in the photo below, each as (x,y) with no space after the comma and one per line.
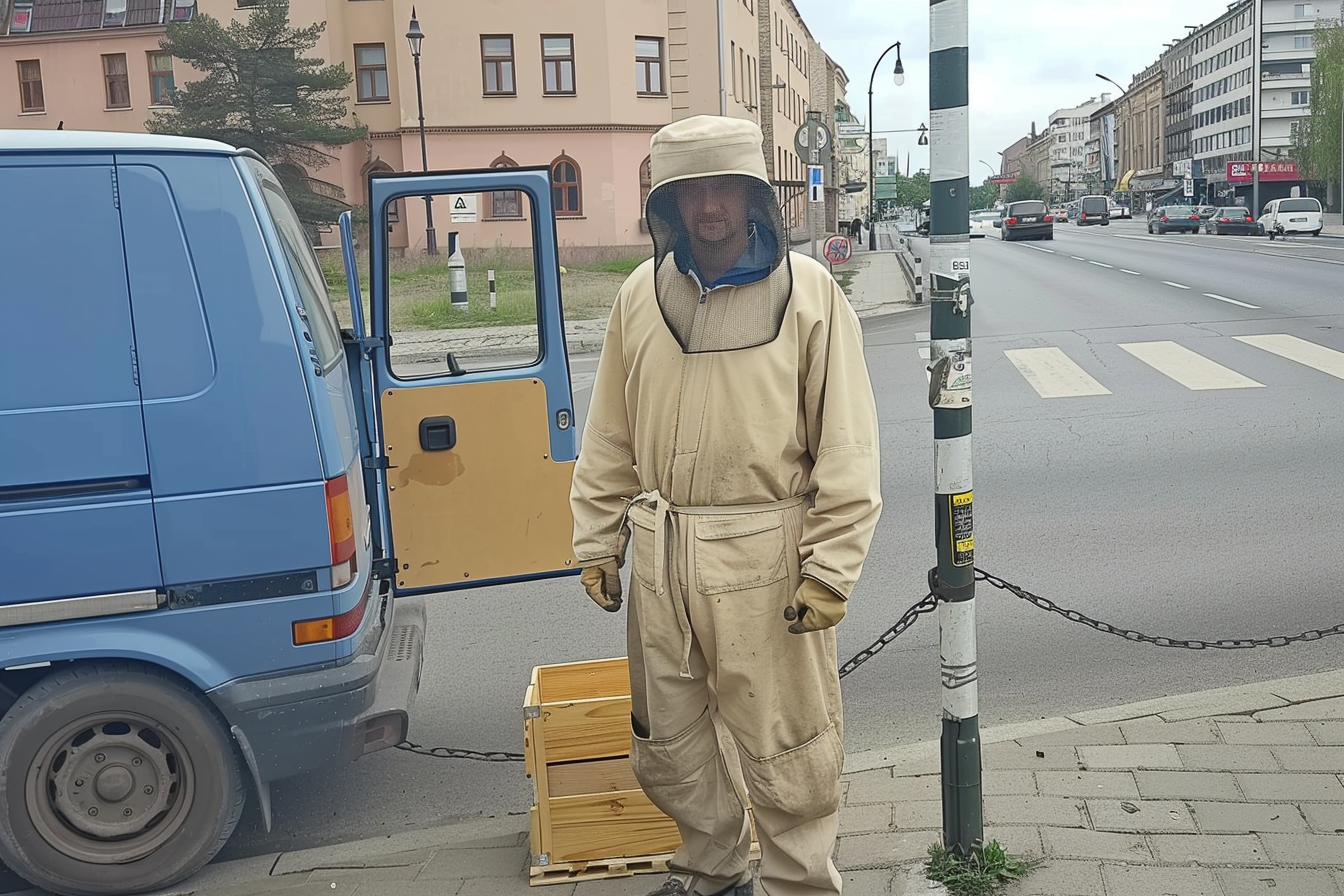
(856,228)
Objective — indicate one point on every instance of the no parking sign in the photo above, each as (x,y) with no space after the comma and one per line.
(837,250)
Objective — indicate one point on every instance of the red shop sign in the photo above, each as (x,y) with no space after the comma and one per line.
(1241,172)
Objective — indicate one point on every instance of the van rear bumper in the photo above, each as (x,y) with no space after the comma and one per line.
(303,720)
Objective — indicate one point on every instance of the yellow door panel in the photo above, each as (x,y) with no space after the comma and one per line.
(494,505)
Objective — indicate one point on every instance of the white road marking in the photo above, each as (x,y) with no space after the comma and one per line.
(1135,273)
(1101,264)
(1214,295)
(1192,370)
(1177,285)
(1040,248)
(1318,357)
(1052,374)
(1078,258)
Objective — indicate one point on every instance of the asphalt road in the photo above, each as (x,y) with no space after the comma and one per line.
(1190,513)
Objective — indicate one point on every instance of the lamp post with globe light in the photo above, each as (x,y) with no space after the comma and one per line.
(415,37)
(898,75)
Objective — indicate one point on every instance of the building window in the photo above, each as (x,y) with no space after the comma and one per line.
(371,73)
(183,10)
(497,64)
(557,62)
(645,183)
(649,66)
(505,203)
(1301,97)
(116,81)
(566,187)
(21,19)
(1303,10)
(30,86)
(114,13)
(1302,42)
(160,79)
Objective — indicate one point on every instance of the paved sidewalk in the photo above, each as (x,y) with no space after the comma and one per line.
(1230,792)
(878,287)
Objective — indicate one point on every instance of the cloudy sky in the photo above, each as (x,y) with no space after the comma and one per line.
(1027,59)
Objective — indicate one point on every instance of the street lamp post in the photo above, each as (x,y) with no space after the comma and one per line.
(1106,180)
(898,75)
(415,37)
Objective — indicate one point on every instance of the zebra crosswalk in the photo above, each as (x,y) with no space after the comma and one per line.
(1053,374)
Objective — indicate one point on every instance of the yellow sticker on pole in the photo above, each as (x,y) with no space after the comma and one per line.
(962,529)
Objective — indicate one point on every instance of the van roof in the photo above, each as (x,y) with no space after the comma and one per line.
(32,140)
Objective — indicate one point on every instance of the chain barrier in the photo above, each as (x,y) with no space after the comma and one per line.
(926,604)
(929,603)
(1158,641)
(450,753)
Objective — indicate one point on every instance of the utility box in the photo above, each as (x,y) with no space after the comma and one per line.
(590,818)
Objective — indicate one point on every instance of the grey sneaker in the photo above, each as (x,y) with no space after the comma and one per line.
(674,887)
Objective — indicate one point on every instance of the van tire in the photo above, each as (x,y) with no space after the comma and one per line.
(1316,232)
(138,725)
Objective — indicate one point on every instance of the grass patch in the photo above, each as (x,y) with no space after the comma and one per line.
(420,297)
(844,278)
(980,874)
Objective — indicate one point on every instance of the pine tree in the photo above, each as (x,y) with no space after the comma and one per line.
(262,91)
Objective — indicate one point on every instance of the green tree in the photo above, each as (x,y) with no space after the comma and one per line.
(912,191)
(262,91)
(1316,141)
(1025,187)
(985,195)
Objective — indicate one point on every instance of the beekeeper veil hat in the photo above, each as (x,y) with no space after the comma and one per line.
(752,311)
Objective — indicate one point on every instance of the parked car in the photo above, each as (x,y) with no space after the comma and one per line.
(1061,214)
(1119,210)
(1174,218)
(1094,210)
(1026,219)
(982,222)
(1231,219)
(1299,214)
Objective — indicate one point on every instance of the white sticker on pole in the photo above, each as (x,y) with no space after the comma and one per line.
(815,186)
(961,268)
(463,206)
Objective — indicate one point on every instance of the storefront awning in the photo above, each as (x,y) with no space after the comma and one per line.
(1123,185)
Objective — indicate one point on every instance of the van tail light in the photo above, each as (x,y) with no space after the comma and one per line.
(341,525)
(1010,220)
(333,628)
(1049,218)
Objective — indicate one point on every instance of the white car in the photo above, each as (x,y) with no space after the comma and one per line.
(1299,214)
(1120,211)
(982,222)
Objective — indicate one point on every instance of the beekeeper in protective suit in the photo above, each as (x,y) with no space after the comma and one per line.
(732,440)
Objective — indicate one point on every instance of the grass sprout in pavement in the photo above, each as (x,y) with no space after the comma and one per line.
(979,874)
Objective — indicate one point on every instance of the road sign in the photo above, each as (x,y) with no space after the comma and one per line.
(802,141)
(463,207)
(1188,187)
(837,250)
(816,189)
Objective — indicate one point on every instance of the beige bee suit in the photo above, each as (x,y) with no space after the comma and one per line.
(737,472)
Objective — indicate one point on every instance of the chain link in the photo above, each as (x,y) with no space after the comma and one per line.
(927,604)
(1158,641)
(450,753)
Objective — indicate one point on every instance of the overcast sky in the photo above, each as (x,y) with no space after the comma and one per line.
(1027,59)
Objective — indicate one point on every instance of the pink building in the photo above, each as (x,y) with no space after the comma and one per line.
(578,87)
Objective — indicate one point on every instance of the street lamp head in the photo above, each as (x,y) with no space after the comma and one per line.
(414,36)
(923,135)
(898,74)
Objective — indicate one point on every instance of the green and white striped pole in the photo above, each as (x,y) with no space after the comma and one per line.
(953,580)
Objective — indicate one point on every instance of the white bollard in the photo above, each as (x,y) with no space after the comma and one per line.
(490,277)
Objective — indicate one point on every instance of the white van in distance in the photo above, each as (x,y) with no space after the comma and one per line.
(1299,214)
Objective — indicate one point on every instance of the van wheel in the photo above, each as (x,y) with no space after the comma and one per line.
(1316,232)
(114,778)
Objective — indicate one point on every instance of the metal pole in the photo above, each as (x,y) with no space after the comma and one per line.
(953,579)
(1257,14)
(872,182)
(814,160)
(431,245)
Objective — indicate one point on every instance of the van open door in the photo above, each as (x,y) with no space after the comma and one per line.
(471,378)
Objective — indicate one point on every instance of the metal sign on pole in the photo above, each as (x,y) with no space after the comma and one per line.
(953,579)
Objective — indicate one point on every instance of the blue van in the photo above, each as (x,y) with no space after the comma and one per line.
(221,503)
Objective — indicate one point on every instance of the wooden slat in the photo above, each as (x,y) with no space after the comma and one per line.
(598,776)
(585,729)
(564,682)
(608,826)
(567,872)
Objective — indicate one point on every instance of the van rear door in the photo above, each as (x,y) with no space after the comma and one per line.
(76,516)
(476,436)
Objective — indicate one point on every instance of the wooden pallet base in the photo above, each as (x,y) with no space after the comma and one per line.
(600,869)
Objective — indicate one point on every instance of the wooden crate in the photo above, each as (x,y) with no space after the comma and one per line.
(590,819)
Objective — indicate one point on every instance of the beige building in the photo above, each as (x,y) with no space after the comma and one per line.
(577,87)
(1139,128)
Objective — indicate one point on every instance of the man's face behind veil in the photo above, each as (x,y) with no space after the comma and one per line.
(713,209)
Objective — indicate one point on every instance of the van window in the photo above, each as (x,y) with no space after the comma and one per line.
(1305,204)
(1094,205)
(322,320)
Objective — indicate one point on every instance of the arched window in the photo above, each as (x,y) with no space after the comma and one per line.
(645,184)
(566,187)
(393,213)
(505,203)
